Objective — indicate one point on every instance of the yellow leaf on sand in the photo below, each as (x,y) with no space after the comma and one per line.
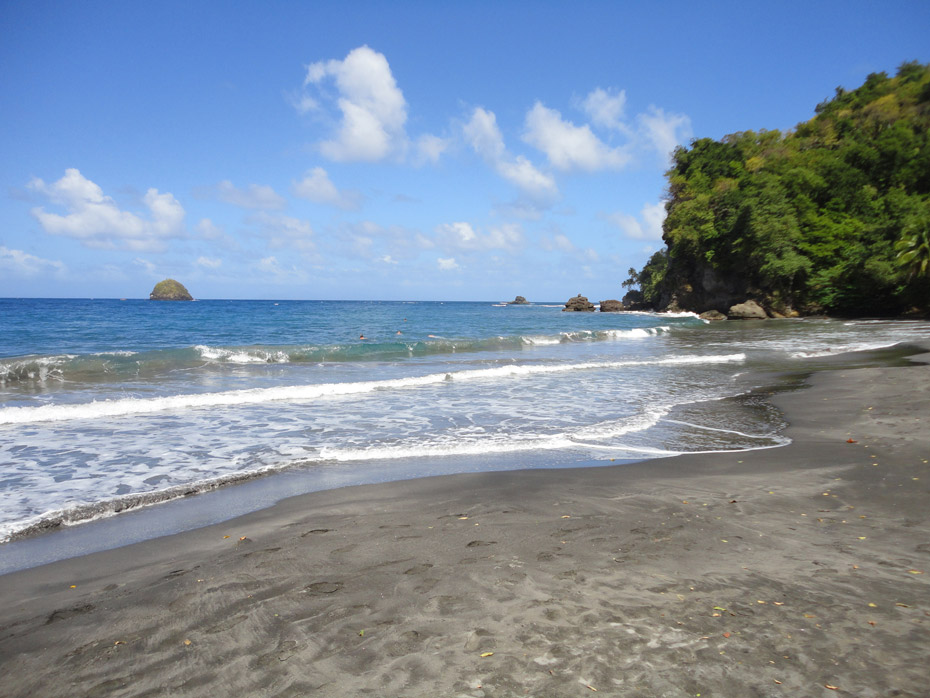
(872,605)
(826,685)
(566,516)
(187,642)
(915,571)
(487,654)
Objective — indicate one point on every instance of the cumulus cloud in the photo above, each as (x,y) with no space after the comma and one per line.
(209,229)
(19,263)
(429,148)
(567,146)
(271,267)
(485,138)
(96,221)
(209,263)
(447,263)
(286,231)
(463,236)
(373,107)
(316,186)
(647,227)
(254,196)
(664,131)
(605,108)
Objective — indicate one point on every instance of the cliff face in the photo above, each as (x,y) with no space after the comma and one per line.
(170,290)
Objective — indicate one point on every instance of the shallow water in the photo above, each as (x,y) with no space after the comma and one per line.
(109,405)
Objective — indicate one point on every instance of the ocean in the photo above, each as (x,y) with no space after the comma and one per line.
(107,406)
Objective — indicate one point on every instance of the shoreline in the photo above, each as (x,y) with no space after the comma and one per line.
(784,571)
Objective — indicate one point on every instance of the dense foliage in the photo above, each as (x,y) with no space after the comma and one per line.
(833,217)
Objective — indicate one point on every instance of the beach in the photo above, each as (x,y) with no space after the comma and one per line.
(799,570)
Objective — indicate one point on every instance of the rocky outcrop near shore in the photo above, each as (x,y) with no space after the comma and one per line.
(578,304)
(611,306)
(749,310)
(170,290)
(519,300)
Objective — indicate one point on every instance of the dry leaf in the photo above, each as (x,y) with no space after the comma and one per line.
(187,642)
(902,605)
(591,687)
(566,516)
(726,634)
(779,603)
(851,441)
(777,681)
(487,654)
(872,605)
(915,571)
(832,688)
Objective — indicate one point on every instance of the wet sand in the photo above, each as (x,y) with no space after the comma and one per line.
(796,571)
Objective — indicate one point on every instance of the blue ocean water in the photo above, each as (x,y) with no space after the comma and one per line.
(107,405)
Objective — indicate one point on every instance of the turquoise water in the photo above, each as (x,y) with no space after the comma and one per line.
(106,405)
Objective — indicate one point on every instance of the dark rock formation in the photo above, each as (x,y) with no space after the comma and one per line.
(712,315)
(169,290)
(611,306)
(749,310)
(579,304)
(633,300)
(519,300)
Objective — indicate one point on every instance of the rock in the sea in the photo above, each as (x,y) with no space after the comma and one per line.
(712,315)
(519,300)
(579,304)
(611,306)
(750,310)
(169,290)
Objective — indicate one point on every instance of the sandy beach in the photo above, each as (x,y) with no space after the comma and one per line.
(794,571)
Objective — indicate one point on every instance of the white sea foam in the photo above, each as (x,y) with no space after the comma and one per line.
(134,406)
(840,349)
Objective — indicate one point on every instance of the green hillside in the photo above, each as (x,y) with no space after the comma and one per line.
(833,217)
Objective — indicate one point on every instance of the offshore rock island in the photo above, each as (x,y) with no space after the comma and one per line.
(170,290)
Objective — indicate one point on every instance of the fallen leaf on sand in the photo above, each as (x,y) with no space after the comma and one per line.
(915,571)
(487,654)
(719,608)
(726,634)
(826,685)
(851,441)
(777,681)
(591,687)
(566,516)
(463,518)
(902,605)
(187,642)
(225,537)
(779,603)
(872,605)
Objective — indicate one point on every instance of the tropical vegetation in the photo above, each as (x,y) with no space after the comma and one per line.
(831,217)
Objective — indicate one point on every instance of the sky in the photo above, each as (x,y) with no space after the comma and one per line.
(387,150)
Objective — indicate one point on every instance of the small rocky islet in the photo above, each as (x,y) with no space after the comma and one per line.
(170,290)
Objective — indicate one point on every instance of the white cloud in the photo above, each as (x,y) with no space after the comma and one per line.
(255,196)
(279,274)
(316,186)
(209,229)
(485,138)
(150,268)
(647,227)
(567,146)
(430,148)
(209,263)
(664,131)
(387,259)
(447,264)
(373,107)
(21,263)
(463,236)
(561,242)
(96,220)
(286,231)
(605,108)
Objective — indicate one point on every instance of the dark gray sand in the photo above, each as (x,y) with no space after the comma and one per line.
(797,571)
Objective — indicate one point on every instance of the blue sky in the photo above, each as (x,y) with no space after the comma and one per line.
(387,150)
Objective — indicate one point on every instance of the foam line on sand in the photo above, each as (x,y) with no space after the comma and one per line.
(801,571)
